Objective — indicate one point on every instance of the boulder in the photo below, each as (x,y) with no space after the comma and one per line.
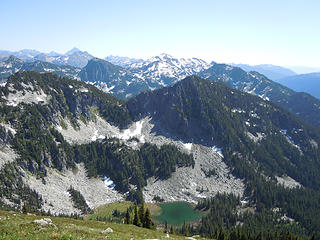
(108,230)
(44,222)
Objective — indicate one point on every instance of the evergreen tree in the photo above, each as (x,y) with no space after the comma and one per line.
(141,214)
(171,230)
(127,219)
(136,219)
(222,235)
(313,236)
(148,222)
(24,209)
(185,229)
(260,237)
(165,227)
(233,235)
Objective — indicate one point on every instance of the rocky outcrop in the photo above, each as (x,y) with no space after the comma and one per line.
(54,190)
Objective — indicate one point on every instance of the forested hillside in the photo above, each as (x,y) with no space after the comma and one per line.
(55,129)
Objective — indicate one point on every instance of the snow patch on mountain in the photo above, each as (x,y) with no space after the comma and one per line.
(108,182)
(218,151)
(257,137)
(84,90)
(188,146)
(9,128)
(237,110)
(100,129)
(3,83)
(133,131)
(290,139)
(104,87)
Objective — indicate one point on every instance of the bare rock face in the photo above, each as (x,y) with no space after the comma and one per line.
(54,191)
(288,182)
(7,155)
(209,176)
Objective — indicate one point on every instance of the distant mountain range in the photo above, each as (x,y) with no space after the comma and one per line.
(301,104)
(270,71)
(309,83)
(24,54)
(122,61)
(154,73)
(73,57)
(165,70)
(132,76)
(10,65)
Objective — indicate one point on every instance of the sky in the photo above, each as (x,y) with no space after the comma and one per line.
(280,32)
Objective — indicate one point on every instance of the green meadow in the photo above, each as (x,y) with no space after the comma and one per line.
(16,226)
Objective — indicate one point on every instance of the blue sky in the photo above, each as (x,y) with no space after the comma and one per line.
(283,32)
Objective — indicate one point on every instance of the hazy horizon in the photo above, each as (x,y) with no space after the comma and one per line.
(280,33)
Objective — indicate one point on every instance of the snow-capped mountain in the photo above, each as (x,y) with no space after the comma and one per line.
(73,57)
(112,78)
(53,54)
(72,51)
(46,57)
(165,70)
(154,73)
(24,54)
(12,64)
(157,72)
(122,61)
(299,103)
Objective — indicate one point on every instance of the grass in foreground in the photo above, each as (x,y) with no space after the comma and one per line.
(107,211)
(20,226)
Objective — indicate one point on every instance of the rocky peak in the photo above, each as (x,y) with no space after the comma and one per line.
(72,51)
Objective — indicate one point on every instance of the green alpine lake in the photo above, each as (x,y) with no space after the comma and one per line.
(175,213)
